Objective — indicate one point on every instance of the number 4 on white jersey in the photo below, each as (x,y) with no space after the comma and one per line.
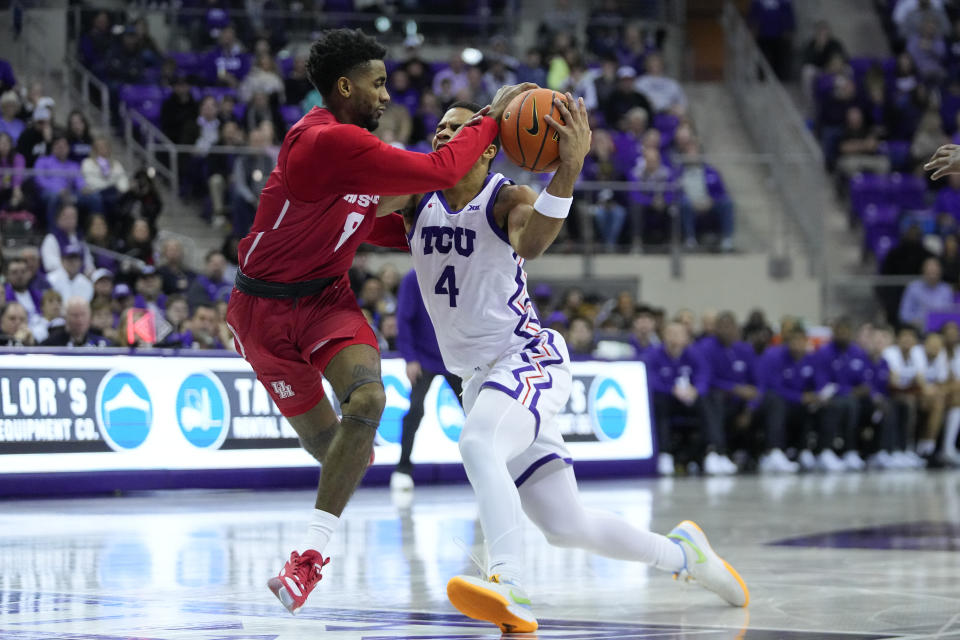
(349,228)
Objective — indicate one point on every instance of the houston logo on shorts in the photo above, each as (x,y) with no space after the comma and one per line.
(282,389)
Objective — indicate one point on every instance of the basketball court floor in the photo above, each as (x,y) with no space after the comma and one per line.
(845,556)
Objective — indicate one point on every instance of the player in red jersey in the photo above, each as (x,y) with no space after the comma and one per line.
(292,312)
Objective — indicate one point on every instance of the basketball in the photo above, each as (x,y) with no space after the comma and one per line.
(525,136)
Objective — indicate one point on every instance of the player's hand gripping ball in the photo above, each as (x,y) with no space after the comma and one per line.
(525,136)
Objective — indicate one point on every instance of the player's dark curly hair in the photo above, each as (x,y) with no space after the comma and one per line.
(474,107)
(336,53)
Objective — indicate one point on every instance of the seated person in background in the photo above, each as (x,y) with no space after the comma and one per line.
(203,331)
(38,279)
(149,291)
(297,85)
(177,312)
(9,109)
(734,394)
(665,94)
(860,148)
(580,340)
(608,207)
(905,388)
(929,52)
(656,191)
(59,180)
(832,115)
(816,54)
(98,237)
(178,111)
(103,282)
(250,173)
(138,243)
(947,202)
(78,135)
(220,169)
(787,381)
(928,137)
(625,97)
(103,175)
(951,431)
(227,64)
(263,78)
(876,408)
(628,141)
(36,139)
(210,286)
(17,288)
(933,378)
(704,195)
(679,380)
(76,330)
(14,331)
(925,294)
(69,280)
(11,191)
(643,334)
(102,320)
(52,316)
(839,370)
(63,233)
(176,276)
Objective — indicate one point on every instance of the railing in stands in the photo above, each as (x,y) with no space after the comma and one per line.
(779,131)
(145,152)
(91,91)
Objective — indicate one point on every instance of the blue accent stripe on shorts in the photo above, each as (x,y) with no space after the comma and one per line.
(523,477)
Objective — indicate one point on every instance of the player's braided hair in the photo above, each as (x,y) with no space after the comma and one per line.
(336,53)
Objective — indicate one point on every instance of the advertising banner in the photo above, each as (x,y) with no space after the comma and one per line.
(127,412)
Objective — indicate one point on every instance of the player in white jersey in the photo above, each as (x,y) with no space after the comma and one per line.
(469,243)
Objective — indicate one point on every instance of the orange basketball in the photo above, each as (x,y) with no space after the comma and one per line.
(525,136)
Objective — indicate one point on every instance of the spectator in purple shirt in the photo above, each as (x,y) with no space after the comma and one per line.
(876,408)
(841,382)
(59,178)
(787,380)
(773,24)
(11,193)
(925,294)
(417,343)
(227,64)
(656,192)
(679,381)
(733,377)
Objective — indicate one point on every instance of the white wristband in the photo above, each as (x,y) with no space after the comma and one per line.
(552,206)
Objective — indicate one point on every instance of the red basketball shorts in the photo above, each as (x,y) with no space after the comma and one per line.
(290,342)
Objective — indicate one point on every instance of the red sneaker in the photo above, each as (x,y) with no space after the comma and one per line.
(300,575)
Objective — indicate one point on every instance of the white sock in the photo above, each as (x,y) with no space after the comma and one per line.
(951,431)
(321,528)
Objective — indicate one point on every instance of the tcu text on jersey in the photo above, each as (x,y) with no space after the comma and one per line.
(443,239)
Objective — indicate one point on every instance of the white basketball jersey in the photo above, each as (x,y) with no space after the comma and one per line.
(473,283)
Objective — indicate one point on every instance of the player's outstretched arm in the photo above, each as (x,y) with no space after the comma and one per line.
(945,161)
(535,223)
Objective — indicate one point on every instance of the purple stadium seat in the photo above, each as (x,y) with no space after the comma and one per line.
(949,106)
(867,189)
(899,153)
(908,191)
(219,92)
(881,247)
(291,114)
(137,93)
(188,62)
(860,66)
(885,216)
(285,65)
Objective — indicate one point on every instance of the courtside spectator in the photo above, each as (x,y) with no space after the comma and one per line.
(664,93)
(76,330)
(203,331)
(580,338)
(925,294)
(704,198)
(734,391)
(839,370)
(11,191)
(69,280)
(9,109)
(210,286)
(643,332)
(876,409)
(679,380)
(14,331)
(905,387)
(52,316)
(63,233)
(788,384)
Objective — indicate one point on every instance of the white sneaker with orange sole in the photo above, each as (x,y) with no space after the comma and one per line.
(498,601)
(703,565)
